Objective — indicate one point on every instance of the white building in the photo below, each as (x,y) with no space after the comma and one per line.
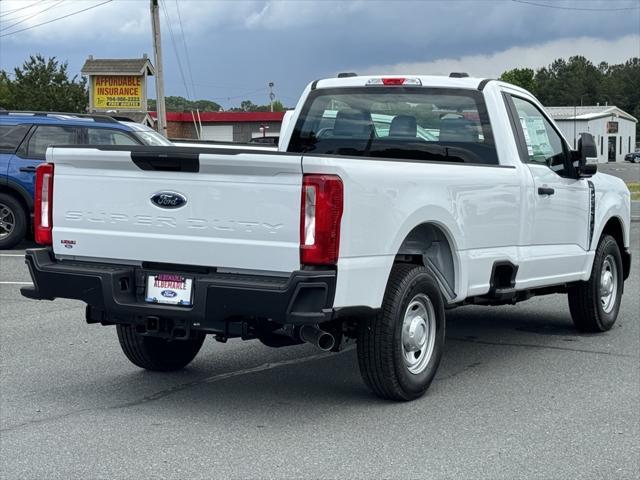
(613,129)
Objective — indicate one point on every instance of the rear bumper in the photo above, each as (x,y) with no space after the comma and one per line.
(221,301)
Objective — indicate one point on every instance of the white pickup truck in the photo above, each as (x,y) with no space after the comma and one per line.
(390,200)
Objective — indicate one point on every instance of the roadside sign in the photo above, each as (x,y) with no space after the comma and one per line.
(119,85)
(117,92)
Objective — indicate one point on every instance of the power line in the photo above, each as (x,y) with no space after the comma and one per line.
(27,13)
(55,19)
(19,15)
(241,95)
(175,48)
(9,12)
(561,7)
(225,86)
(29,17)
(186,51)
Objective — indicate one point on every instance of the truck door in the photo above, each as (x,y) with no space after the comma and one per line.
(11,136)
(31,153)
(559,218)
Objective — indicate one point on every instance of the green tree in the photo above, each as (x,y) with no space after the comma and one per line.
(522,77)
(181,104)
(249,106)
(569,82)
(577,81)
(6,99)
(207,106)
(44,84)
(621,86)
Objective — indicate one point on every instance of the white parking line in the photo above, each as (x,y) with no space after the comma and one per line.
(12,255)
(224,376)
(16,283)
(270,366)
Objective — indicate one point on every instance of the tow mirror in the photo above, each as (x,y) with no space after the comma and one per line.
(587,156)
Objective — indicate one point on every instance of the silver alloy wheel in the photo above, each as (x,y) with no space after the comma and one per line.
(418,333)
(608,283)
(7,221)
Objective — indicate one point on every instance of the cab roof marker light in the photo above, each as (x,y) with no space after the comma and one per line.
(394,81)
(414,82)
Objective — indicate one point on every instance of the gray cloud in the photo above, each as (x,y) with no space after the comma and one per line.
(535,56)
(236,47)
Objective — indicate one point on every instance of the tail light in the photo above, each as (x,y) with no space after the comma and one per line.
(322,202)
(43,208)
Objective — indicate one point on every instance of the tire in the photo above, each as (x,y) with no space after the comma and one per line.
(157,354)
(394,365)
(13,222)
(591,310)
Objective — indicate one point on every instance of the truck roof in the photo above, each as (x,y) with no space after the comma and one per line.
(426,80)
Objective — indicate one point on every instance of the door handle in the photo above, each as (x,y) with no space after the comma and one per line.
(28,169)
(546,191)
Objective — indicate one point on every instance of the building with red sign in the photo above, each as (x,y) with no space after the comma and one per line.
(237,127)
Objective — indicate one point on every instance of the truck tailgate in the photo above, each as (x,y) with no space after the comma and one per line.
(241,210)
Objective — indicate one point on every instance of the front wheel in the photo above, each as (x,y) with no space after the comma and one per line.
(594,304)
(399,349)
(158,354)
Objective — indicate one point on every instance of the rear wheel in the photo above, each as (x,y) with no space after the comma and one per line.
(399,349)
(13,222)
(594,304)
(158,354)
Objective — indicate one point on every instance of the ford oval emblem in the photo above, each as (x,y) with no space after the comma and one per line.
(168,293)
(169,200)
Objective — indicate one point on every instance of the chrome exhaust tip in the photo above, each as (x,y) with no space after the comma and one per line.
(321,339)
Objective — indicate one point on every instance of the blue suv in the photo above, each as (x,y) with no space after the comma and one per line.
(24,138)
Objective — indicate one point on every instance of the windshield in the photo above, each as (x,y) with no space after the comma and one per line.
(153,138)
(396,122)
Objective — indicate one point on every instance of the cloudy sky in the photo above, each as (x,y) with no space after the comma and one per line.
(234,48)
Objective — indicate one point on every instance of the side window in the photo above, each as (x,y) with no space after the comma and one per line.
(46,135)
(108,136)
(544,145)
(12,135)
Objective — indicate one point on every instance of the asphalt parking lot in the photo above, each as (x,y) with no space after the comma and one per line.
(627,171)
(519,394)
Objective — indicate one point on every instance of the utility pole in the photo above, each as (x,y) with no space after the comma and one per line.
(272,96)
(157,52)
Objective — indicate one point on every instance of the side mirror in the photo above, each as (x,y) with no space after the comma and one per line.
(587,156)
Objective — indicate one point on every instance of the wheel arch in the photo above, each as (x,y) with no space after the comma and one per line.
(432,245)
(615,227)
(20,193)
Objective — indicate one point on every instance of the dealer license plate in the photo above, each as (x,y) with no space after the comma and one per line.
(170,289)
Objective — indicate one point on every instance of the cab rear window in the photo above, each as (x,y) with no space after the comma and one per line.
(11,136)
(412,123)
